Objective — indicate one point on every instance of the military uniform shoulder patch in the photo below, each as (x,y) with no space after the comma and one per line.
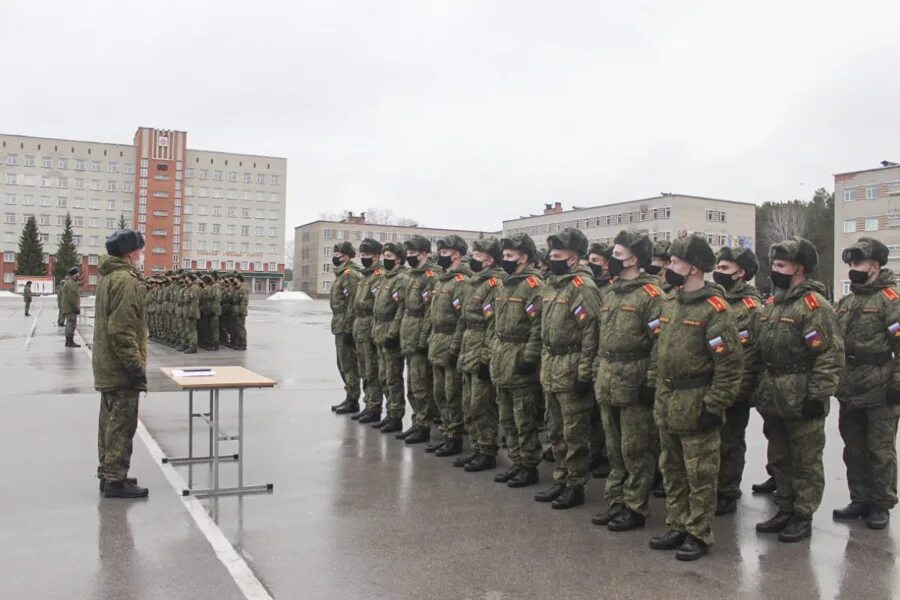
(750,302)
(812,303)
(347,273)
(577,281)
(429,273)
(718,304)
(492,282)
(532,281)
(770,300)
(378,272)
(890,294)
(459,277)
(652,290)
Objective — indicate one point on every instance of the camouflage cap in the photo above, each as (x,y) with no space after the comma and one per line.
(370,246)
(661,250)
(490,246)
(393,247)
(796,250)
(866,248)
(521,242)
(695,250)
(453,242)
(604,250)
(418,243)
(744,257)
(639,243)
(345,248)
(568,239)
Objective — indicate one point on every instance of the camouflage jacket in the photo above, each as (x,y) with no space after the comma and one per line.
(569,330)
(699,360)
(120,330)
(746,306)
(517,329)
(241,300)
(70,298)
(478,318)
(191,302)
(628,325)
(801,349)
(869,320)
(388,306)
(443,321)
(418,291)
(343,291)
(364,302)
(26,294)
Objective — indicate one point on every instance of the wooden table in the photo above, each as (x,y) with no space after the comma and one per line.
(224,378)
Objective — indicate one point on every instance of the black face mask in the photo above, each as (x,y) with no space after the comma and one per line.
(389,264)
(616,266)
(559,267)
(782,281)
(858,277)
(652,269)
(444,261)
(476,265)
(724,279)
(597,270)
(673,278)
(336,261)
(509,266)
(367,262)
(413,261)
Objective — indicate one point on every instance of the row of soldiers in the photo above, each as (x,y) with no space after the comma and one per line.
(187,310)
(673,362)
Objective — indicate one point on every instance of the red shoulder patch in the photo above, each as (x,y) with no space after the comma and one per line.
(750,302)
(347,273)
(577,281)
(459,277)
(890,294)
(532,281)
(718,304)
(378,272)
(492,281)
(429,273)
(652,290)
(812,303)
(770,300)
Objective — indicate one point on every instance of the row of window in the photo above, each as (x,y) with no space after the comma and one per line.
(78,183)
(227,265)
(230,246)
(231,194)
(216,229)
(232,176)
(854,225)
(203,210)
(871,192)
(78,164)
(622,218)
(381,236)
(63,202)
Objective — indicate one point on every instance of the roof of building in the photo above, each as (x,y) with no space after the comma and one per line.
(885,165)
(415,228)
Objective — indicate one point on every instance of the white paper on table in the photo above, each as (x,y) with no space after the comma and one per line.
(193,372)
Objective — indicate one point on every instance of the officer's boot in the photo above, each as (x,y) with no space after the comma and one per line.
(507,475)
(692,549)
(70,342)
(725,506)
(776,523)
(551,493)
(451,447)
(766,487)
(482,462)
(524,477)
(373,417)
(626,521)
(800,528)
(419,436)
(406,433)
(124,489)
(878,518)
(462,460)
(334,407)
(349,406)
(571,497)
(190,350)
(854,510)
(391,425)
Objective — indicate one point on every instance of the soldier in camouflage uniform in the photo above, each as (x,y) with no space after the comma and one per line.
(343,290)
(699,365)
(119,360)
(443,328)
(803,353)
(735,268)
(71,305)
(191,295)
(569,336)
(869,391)
(227,304)
(479,397)
(239,322)
(419,285)
(387,311)
(659,263)
(363,301)
(625,381)
(598,262)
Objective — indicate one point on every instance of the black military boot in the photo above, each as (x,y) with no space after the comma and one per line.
(670,540)
(854,510)
(692,549)
(725,506)
(507,475)
(571,497)
(878,518)
(373,417)
(406,433)
(608,515)
(451,447)
(626,521)
(380,423)
(482,462)
(419,436)
(776,523)
(462,460)
(659,490)
(124,489)
(547,456)
(798,529)
(433,446)
(131,480)
(190,350)
(70,342)
(551,493)
(334,407)
(348,408)
(524,477)
(360,414)
(766,487)
(391,425)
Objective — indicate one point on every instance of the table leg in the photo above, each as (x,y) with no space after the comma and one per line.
(241,437)
(216,438)
(190,437)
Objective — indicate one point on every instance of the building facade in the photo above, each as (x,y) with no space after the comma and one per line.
(314,245)
(866,203)
(197,209)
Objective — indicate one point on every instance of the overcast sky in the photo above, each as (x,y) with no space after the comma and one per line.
(465,113)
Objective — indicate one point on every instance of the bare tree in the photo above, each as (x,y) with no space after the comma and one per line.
(385,216)
(785,221)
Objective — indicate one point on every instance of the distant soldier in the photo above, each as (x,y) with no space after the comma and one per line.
(26,295)
(346,278)
(802,351)
(71,306)
(388,317)
(366,350)
(598,262)
(192,294)
(869,391)
(659,263)
(240,305)
(227,307)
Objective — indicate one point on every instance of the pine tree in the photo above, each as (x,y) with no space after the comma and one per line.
(31,251)
(122,222)
(67,253)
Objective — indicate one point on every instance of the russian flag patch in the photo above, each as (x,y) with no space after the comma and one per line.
(895,329)
(426,295)
(745,336)
(813,339)
(396,296)
(487,310)
(579,313)
(531,310)
(717,345)
(654,326)
(457,304)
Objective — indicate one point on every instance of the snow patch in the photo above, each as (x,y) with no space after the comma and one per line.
(289,296)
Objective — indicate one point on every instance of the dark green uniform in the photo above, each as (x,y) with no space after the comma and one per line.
(26,295)
(388,316)
(419,289)
(342,291)
(366,351)
(71,305)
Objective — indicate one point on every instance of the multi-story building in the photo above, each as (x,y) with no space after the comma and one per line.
(198,209)
(866,203)
(314,245)
(664,217)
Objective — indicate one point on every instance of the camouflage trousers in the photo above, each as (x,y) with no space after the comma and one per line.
(208,330)
(596,436)
(367,354)
(568,421)
(117,425)
(631,441)
(27,307)
(448,397)
(71,321)
(190,333)
(690,468)
(420,389)
(239,332)
(795,460)
(348,366)
(518,412)
(480,418)
(734,448)
(870,454)
(390,375)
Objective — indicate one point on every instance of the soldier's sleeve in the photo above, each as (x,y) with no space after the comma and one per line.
(891,312)
(534,345)
(400,282)
(425,330)
(826,350)
(652,312)
(347,320)
(125,324)
(462,291)
(589,334)
(724,347)
(752,360)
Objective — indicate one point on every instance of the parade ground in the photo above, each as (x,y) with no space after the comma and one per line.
(354,514)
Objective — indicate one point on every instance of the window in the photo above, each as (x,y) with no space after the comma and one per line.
(78,203)
(248,178)
(245,247)
(203,192)
(245,230)
(274,232)
(274,179)
(232,176)
(46,162)
(188,209)
(128,186)
(216,228)
(217,211)
(202,210)
(95,204)
(272,249)
(229,265)
(204,173)
(96,166)
(245,213)
(63,163)
(186,245)
(232,212)
(872,224)
(326,267)
(9,237)
(186,263)
(112,186)
(78,221)
(260,230)
(93,259)
(328,234)
(110,223)
(850,195)
(261,179)
(27,200)
(95,185)
(216,246)
(9,218)
(245,265)
(46,181)
(110,205)
(12,159)
(61,201)
(113,167)
(260,213)
(201,245)
(259,248)
(201,227)
(188,227)
(9,277)
(217,175)
(80,164)
(45,201)
(871,192)
(129,169)
(94,222)
(159,231)
(11,178)
(79,183)
(229,246)
(273,267)
(93,241)
(273,214)
(189,173)
(10,199)
(258,266)
(716,216)
(29,160)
